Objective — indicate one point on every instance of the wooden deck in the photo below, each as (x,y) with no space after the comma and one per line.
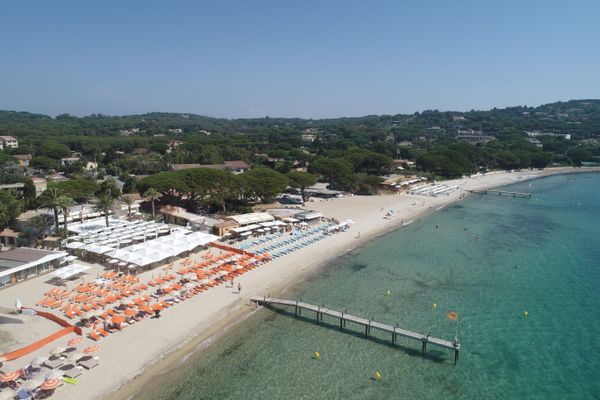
(368,324)
(500,192)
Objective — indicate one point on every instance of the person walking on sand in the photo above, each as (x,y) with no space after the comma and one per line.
(232,285)
(239,288)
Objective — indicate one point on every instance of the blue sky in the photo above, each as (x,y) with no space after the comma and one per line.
(310,59)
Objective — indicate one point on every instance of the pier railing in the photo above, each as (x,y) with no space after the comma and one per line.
(499,192)
(368,324)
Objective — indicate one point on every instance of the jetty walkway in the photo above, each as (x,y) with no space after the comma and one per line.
(499,192)
(368,324)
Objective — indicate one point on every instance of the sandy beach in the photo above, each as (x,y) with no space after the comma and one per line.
(131,358)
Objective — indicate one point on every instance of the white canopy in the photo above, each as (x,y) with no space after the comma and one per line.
(98,248)
(70,270)
(272,223)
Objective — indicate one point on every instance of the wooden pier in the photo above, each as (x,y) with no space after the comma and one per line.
(500,192)
(368,324)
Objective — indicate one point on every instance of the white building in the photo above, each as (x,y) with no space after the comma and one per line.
(8,141)
(22,263)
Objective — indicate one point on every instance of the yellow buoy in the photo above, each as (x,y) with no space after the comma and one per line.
(525,314)
(317,355)
(377,375)
(388,293)
(434,305)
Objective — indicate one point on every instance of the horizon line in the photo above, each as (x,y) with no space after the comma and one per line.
(281,117)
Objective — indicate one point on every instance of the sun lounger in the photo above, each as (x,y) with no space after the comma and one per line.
(88,363)
(72,372)
(95,336)
(57,304)
(102,332)
(54,363)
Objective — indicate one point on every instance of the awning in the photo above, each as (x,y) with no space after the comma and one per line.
(273,223)
(70,270)
(98,248)
(310,215)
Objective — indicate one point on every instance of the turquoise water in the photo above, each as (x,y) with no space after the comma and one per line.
(540,255)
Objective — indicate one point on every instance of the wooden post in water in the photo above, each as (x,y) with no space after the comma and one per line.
(318,308)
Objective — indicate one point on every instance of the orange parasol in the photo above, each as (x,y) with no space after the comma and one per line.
(92,349)
(118,319)
(75,341)
(11,376)
(50,384)
(130,312)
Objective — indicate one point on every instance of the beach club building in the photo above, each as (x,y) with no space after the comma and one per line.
(180,216)
(22,263)
(246,224)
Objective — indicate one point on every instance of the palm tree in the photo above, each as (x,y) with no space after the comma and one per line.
(4,216)
(39,222)
(104,204)
(129,201)
(50,199)
(65,202)
(152,195)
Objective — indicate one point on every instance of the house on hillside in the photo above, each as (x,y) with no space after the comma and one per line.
(8,142)
(237,166)
(23,159)
(309,138)
(68,160)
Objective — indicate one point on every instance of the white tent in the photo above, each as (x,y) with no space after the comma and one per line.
(98,248)
(70,270)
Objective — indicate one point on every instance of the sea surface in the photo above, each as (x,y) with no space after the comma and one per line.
(488,258)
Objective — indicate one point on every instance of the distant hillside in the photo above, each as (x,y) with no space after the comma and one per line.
(580,118)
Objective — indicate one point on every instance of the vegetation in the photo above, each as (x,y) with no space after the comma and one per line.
(152,195)
(301,180)
(65,203)
(350,154)
(104,204)
(39,223)
(51,199)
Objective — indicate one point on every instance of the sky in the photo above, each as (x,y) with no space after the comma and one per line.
(304,58)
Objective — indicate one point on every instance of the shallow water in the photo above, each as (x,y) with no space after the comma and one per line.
(540,256)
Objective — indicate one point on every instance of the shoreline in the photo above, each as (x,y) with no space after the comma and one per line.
(172,345)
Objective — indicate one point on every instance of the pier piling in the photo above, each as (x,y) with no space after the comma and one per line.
(343,317)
